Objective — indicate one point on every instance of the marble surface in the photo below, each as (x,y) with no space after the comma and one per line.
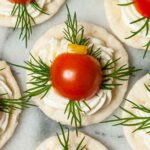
(34,126)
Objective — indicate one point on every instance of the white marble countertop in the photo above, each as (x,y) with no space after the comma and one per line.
(34,126)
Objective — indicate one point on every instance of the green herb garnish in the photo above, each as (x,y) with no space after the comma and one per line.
(126,4)
(64,141)
(74,112)
(73,33)
(120,74)
(9,104)
(95,53)
(147,86)
(40,78)
(139,122)
(25,20)
(145,27)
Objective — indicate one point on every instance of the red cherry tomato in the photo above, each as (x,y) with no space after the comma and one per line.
(143,7)
(76,76)
(21,1)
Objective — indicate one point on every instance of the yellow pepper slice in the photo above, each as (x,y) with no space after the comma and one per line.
(77,49)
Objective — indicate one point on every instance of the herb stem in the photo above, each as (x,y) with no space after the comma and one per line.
(25,20)
(139,122)
(64,141)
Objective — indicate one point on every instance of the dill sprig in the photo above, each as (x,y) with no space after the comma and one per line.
(74,111)
(36,6)
(120,74)
(139,122)
(109,86)
(80,146)
(95,53)
(9,104)
(40,78)
(73,33)
(64,141)
(147,87)
(126,4)
(145,27)
(25,19)
(147,46)
(65,138)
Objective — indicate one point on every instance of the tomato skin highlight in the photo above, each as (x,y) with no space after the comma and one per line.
(21,1)
(143,7)
(76,76)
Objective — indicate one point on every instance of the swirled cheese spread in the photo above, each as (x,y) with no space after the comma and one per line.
(55,47)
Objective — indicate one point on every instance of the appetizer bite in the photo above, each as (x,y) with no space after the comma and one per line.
(10,105)
(136,115)
(77,73)
(26,13)
(130,21)
(69,140)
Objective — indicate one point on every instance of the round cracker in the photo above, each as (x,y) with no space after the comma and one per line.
(135,141)
(51,8)
(13,117)
(53,142)
(118,93)
(119,27)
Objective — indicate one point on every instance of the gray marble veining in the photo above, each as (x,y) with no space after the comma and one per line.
(34,126)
